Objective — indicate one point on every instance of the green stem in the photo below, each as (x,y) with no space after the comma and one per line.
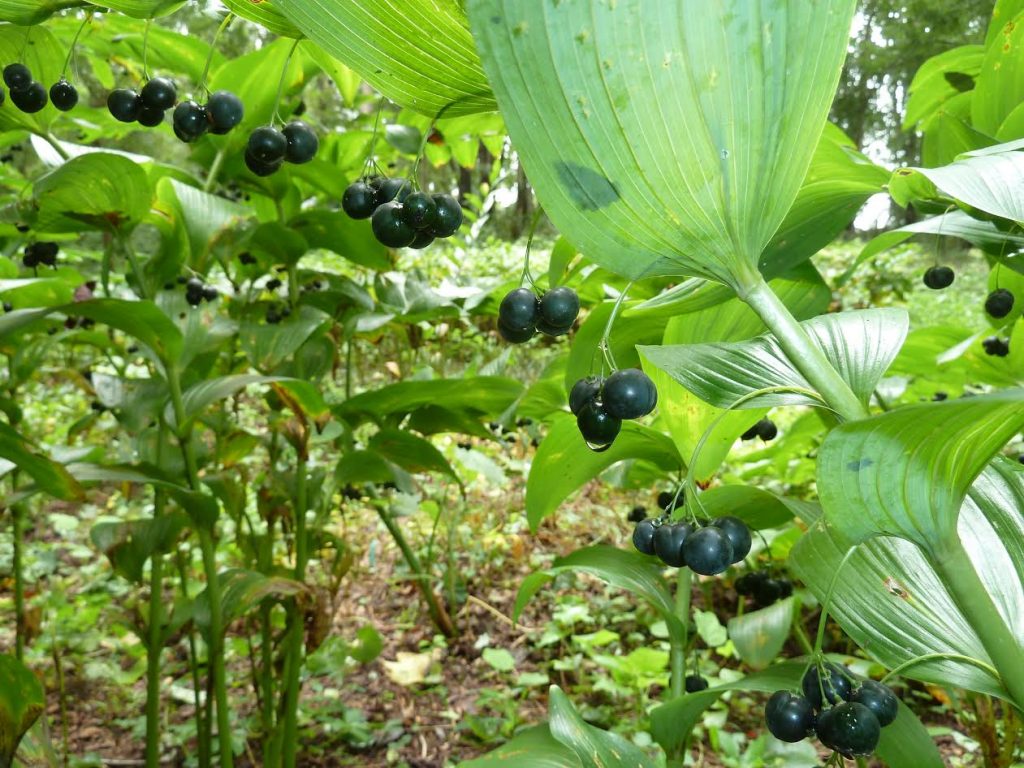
(133,260)
(218,670)
(215,167)
(74,42)
(272,754)
(52,140)
(940,657)
(677,657)
(805,355)
(961,579)
(213,48)
(296,625)
(275,116)
(156,619)
(202,735)
(18,532)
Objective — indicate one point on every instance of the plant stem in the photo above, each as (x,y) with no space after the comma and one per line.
(218,163)
(202,736)
(156,619)
(52,140)
(684,586)
(18,533)
(961,579)
(293,683)
(805,355)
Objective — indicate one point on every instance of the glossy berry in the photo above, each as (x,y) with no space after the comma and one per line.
(210,293)
(670,500)
(630,394)
(260,168)
(880,699)
(670,543)
(302,142)
(515,336)
(359,200)
(637,514)
(643,536)
(768,591)
(996,347)
(584,391)
(151,118)
(224,111)
(422,240)
(124,104)
(836,685)
(738,534)
(938,278)
(267,144)
(190,123)
(419,210)
(448,216)
(695,683)
(17,76)
(31,99)
(63,95)
(789,717)
(159,93)
(393,189)
(708,551)
(765,429)
(194,291)
(999,303)
(389,228)
(519,310)
(851,729)
(559,308)
(598,427)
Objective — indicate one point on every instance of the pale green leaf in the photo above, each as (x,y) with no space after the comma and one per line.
(594,748)
(22,701)
(759,636)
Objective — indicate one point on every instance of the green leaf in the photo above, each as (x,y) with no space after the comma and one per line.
(266,14)
(905,473)
(499,659)
(594,748)
(27,12)
(50,476)
(412,453)
(141,9)
(241,591)
(130,544)
(931,89)
(758,508)
(485,395)
(860,344)
(605,149)
(101,189)
(564,463)
(268,346)
(201,396)
(999,87)
(22,701)
(141,320)
(533,748)
(637,574)
(759,636)
(421,57)
(336,232)
(891,601)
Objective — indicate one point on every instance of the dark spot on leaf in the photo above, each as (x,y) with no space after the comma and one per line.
(589,189)
(495,19)
(896,588)
(960,80)
(857,466)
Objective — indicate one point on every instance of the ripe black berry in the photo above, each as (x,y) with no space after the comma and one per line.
(836,685)
(302,142)
(738,534)
(670,543)
(765,429)
(393,189)
(767,592)
(423,239)
(637,514)
(995,346)
(629,394)
(359,200)
(419,210)
(389,228)
(151,118)
(789,717)
(261,168)
(17,76)
(514,336)
(938,278)
(558,309)
(880,699)
(189,120)
(695,683)
(267,144)
(851,729)
(224,111)
(598,427)
(708,551)
(159,93)
(448,216)
(999,303)
(124,104)
(643,536)
(63,95)
(210,293)
(30,99)
(584,391)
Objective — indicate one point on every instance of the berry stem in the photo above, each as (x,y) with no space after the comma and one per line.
(529,245)
(819,639)
(804,353)
(145,50)
(941,657)
(373,140)
(74,42)
(423,142)
(606,348)
(275,116)
(213,49)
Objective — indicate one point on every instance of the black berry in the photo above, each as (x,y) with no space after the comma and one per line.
(708,551)
(598,427)
(190,122)
(765,429)
(393,189)
(30,99)
(302,142)
(519,310)
(637,514)
(559,308)
(422,240)
(389,228)
(419,210)
(695,683)
(999,303)
(159,93)
(880,699)
(584,391)
(738,534)
(643,536)
(359,200)
(151,118)
(447,217)
(789,717)
(995,346)
(515,336)
(63,95)
(836,685)
(267,144)
(629,394)
(224,111)
(17,76)
(851,729)
(261,168)
(670,543)
(938,278)
(124,104)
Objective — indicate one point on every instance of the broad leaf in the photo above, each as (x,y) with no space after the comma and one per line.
(905,473)
(241,591)
(645,183)
(264,13)
(99,189)
(26,12)
(421,56)
(50,476)
(860,344)
(489,395)
(533,748)
(130,544)
(141,9)
(201,396)
(22,701)
(141,320)
(759,636)
(931,88)
(758,508)
(412,453)
(891,601)
(999,87)
(564,463)
(594,748)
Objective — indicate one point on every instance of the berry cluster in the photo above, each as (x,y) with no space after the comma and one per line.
(268,148)
(29,95)
(765,429)
(600,405)
(43,253)
(708,550)
(521,314)
(196,292)
(999,303)
(401,216)
(852,722)
(995,346)
(938,278)
(763,588)
(275,314)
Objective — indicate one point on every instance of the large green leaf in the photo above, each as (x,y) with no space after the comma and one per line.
(265,13)
(50,476)
(141,9)
(668,137)
(488,395)
(759,636)
(860,344)
(533,748)
(905,473)
(563,463)
(25,12)
(999,88)
(418,53)
(931,88)
(201,396)
(40,51)
(893,604)
(637,574)
(100,189)
(130,544)
(22,701)
(594,748)
(141,320)
(410,452)
(756,507)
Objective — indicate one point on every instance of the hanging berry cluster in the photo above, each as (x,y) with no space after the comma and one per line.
(401,215)
(705,549)
(601,405)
